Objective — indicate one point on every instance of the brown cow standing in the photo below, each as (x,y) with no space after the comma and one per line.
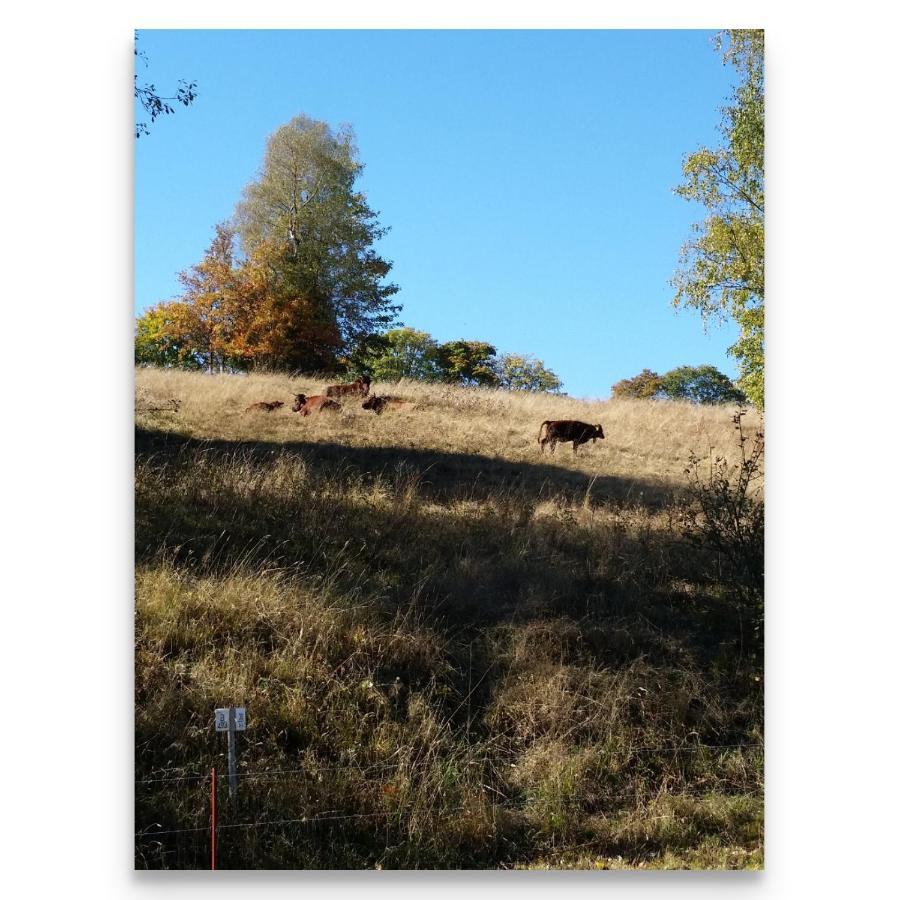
(379,404)
(564,430)
(306,405)
(358,387)
(264,405)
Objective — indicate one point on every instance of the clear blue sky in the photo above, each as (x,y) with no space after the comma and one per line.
(526,176)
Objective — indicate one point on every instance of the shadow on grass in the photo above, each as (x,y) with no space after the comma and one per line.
(504,583)
(443,476)
(470,570)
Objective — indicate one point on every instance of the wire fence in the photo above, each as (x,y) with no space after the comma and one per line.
(285,813)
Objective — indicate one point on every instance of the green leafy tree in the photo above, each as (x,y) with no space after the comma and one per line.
(645,386)
(700,384)
(469,363)
(159,339)
(401,353)
(722,266)
(525,373)
(319,232)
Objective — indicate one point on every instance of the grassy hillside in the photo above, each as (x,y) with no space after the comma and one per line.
(454,651)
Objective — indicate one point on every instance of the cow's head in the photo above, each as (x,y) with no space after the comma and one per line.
(374,403)
(600,434)
(299,400)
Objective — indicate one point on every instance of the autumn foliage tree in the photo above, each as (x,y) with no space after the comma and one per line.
(201,328)
(644,386)
(286,327)
(211,312)
(157,339)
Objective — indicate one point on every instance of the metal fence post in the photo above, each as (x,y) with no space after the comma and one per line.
(232,755)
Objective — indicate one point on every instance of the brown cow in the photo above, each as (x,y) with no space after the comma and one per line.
(359,387)
(564,430)
(379,404)
(317,403)
(264,405)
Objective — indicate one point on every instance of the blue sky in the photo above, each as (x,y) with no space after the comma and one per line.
(526,176)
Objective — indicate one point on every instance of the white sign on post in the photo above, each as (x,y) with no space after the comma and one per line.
(240,718)
(231,719)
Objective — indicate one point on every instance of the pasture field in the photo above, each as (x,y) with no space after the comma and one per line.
(454,651)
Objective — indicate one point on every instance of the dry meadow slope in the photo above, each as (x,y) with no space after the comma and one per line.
(466,653)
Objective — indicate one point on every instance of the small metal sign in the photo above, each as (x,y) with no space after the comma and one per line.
(240,718)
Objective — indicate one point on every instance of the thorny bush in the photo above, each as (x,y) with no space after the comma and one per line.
(725,512)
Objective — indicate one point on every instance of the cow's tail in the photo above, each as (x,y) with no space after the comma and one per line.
(544,424)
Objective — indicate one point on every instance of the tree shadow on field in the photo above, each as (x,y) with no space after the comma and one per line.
(497,563)
(440,476)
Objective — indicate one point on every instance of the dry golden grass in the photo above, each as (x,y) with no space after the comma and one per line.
(644,441)
(468,653)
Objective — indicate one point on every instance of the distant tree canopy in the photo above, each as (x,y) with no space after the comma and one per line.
(401,353)
(699,384)
(525,373)
(469,362)
(722,266)
(644,386)
(150,100)
(155,343)
(408,353)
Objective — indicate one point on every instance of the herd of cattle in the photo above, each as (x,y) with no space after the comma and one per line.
(552,431)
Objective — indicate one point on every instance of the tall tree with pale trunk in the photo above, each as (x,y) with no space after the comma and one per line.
(317,232)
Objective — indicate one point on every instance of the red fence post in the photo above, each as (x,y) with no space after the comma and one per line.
(214,820)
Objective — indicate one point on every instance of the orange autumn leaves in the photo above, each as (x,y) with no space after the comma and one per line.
(246,314)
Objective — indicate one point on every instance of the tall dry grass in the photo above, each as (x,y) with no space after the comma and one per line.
(465,652)
(647,441)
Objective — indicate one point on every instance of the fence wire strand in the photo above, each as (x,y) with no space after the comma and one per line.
(336,816)
(313,768)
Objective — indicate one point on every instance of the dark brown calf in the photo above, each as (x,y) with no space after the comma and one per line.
(359,387)
(379,404)
(317,403)
(264,405)
(564,430)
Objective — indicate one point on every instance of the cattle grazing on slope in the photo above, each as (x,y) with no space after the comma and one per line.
(563,430)
(265,405)
(359,387)
(317,403)
(379,404)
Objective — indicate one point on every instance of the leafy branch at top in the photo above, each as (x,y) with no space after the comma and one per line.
(154,104)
